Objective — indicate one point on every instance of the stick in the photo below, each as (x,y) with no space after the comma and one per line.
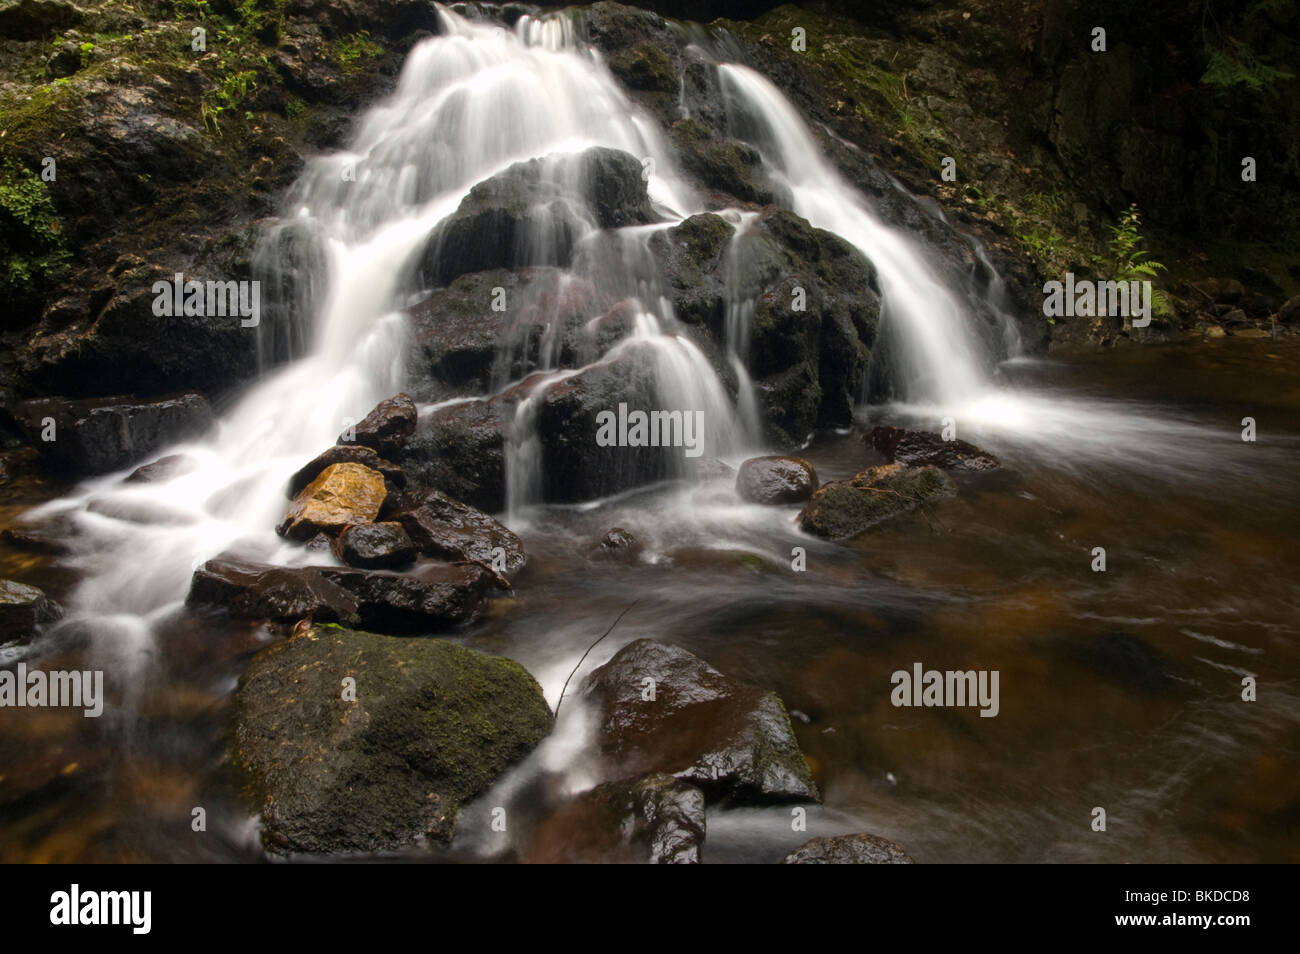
(584,656)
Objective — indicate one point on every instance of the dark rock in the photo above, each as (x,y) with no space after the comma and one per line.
(731,739)
(341,494)
(99,435)
(859,849)
(461,450)
(919,448)
(776,480)
(432,726)
(450,530)
(346,454)
(260,591)
(657,820)
(33,19)
(387,428)
(618,546)
(1289,313)
(375,546)
(717,162)
(431,598)
(845,508)
(23,608)
(163,469)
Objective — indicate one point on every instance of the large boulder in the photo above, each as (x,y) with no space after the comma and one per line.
(375,546)
(776,480)
(341,494)
(845,508)
(98,435)
(23,608)
(656,820)
(431,726)
(534,213)
(919,448)
(461,451)
(387,428)
(859,849)
(450,530)
(731,739)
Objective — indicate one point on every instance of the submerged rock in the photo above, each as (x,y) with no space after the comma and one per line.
(387,428)
(450,530)
(731,739)
(165,468)
(341,494)
(859,849)
(918,448)
(776,480)
(98,435)
(375,546)
(23,608)
(845,508)
(618,546)
(432,726)
(657,820)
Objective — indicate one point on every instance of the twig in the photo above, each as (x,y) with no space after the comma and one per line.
(584,656)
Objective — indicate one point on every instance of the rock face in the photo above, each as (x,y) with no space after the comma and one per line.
(23,608)
(432,726)
(919,448)
(859,849)
(450,530)
(657,820)
(845,508)
(388,427)
(346,454)
(375,546)
(100,435)
(534,213)
(341,494)
(776,480)
(731,739)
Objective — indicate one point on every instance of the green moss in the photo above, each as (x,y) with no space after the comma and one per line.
(33,249)
(351,49)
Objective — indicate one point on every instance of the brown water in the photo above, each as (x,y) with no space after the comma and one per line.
(1119,690)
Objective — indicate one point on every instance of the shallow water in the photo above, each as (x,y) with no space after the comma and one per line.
(1118,690)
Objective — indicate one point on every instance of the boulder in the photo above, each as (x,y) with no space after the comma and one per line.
(776,480)
(341,494)
(346,454)
(163,469)
(23,608)
(431,598)
(461,451)
(450,530)
(95,436)
(845,508)
(387,428)
(919,448)
(432,726)
(261,591)
(375,546)
(859,849)
(731,739)
(33,19)
(656,820)
(618,546)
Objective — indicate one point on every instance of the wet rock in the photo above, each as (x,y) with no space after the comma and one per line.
(656,820)
(33,19)
(529,214)
(387,428)
(98,435)
(460,450)
(618,546)
(432,726)
(859,849)
(450,530)
(845,508)
(163,469)
(346,454)
(717,162)
(731,739)
(919,448)
(340,495)
(49,535)
(776,480)
(375,546)
(431,598)
(23,608)
(261,591)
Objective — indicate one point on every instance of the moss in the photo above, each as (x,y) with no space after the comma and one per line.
(351,49)
(33,250)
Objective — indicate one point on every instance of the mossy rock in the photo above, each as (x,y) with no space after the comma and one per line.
(845,508)
(432,726)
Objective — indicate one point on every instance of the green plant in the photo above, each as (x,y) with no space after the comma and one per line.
(1131,262)
(349,49)
(32,245)
(86,49)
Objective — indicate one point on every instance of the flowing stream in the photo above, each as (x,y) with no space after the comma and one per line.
(1149,465)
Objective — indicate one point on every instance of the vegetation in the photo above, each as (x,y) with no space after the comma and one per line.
(1131,262)
(32,244)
